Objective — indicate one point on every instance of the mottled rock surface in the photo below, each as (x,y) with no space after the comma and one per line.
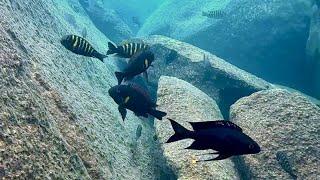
(222,81)
(185,103)
(280,121)
(57,120)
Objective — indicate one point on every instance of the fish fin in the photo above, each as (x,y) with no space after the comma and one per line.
(112,48)
(196,145)
(101,56)
(157,114)
(180,132)
(123,112)
(145,75)
(220,157)
(214,124)
(120,76)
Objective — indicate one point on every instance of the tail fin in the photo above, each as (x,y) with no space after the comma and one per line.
(180,132)
(112,48)
(120,76)
(157,114)
(101,56)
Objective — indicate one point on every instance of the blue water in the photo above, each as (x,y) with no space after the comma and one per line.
(79,109)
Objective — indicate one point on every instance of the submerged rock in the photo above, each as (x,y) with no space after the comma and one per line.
(222,81)
(57,120)
(313,50)
(184,102)
(266,37)
(107,20)
(286,125)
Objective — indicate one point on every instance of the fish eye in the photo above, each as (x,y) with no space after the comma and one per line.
(251,146)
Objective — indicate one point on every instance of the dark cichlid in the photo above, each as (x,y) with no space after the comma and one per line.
(138,132)
(217,14)
(127,50)
(136,99)
(138,64)
(224,137)
(79,45)
(285,164)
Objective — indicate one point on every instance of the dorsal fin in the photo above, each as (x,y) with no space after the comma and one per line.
(214,124)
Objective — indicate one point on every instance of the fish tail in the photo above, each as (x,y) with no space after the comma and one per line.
(120,76)
(112,48)
(180,132)
(157,114)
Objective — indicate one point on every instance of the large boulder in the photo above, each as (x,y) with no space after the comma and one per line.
(57,120)
(313,50)
(185,103)
(266,37)
(222,81)
(108,21)
(286,125)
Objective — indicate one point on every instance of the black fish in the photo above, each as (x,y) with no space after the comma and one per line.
(136,99)
(138,132)
(79,45)
(126,50)
(285,164)
(222,136)
(217,14)
(138,64)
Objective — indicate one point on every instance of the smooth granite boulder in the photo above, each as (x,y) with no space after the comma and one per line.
(222,81)
(57,120)
(313,50)
(185,103)
(286,125)
(266,38)
(107,20)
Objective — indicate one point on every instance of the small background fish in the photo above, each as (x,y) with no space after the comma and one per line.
(215,14)
(285,163)
(138,132)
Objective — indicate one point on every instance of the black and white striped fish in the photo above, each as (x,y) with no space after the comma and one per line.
(126,50)
(79,45)
(216,14)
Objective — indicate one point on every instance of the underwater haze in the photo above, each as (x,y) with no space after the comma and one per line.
(160,89)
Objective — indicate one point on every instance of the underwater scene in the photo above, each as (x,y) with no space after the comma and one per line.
(160,89)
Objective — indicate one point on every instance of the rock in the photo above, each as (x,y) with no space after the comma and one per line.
(183,102)
(280,121)
(222,81)
(310,98)
(282,26)
(107,21)
(129,9)
(57,120)
(313,50)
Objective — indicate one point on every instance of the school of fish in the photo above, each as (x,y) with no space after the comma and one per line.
(224,137)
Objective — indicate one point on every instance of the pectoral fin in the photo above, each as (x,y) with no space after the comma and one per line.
(123,112)
(146,63)
(145,75)
(126,100)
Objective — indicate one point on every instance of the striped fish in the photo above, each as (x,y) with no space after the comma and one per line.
(79,45)
(217,14)
(126,50)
